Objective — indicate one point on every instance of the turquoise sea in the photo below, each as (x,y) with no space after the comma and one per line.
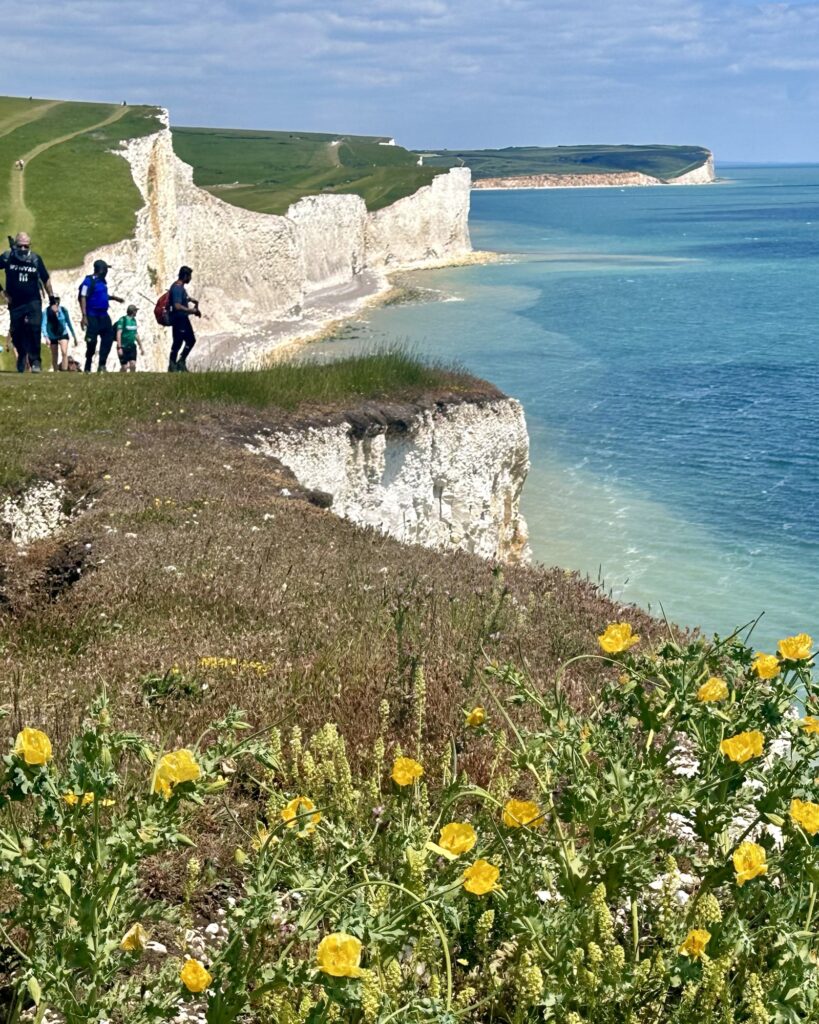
(664,343)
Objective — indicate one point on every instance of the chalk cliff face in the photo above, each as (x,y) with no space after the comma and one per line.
(702,175)
(263,279)
(447,477)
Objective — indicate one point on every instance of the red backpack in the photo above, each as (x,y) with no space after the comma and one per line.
(162,309)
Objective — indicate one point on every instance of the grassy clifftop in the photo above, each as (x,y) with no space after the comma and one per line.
(73,194)
(267,171)
(664,162)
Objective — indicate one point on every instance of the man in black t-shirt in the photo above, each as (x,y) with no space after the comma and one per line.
(183,307)
(25,275)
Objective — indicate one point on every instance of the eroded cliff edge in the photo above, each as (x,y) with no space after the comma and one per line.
(266,280)
(446,474)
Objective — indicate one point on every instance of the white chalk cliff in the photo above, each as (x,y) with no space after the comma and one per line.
(447,477)
(703,174)
(264,280)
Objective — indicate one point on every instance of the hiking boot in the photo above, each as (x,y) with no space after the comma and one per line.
(101,369)
(35,367)
(182,366)
(172,366)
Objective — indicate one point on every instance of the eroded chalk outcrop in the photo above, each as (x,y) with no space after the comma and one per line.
(448,475)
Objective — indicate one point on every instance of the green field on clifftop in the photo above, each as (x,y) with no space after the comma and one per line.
(73,194)
(267,171)
(658,161)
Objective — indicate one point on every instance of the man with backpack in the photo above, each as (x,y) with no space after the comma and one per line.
(26,274)
(181,308)
(94,303)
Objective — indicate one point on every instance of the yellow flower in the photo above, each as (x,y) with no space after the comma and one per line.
(72,799)
(519,813)
(749,861)
(806,814)
(177,766)
(695,943)
(339,954)
(296,814)
(481,878)
(743,746)
(134,940)
(766,666)
(713,689)
(476,717)
(458,837)
(796,648)
(617,638)
(195,977)
(405,771)
(33,746)
(810,724)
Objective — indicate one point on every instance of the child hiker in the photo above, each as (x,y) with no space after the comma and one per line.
(56,325)
(127,336)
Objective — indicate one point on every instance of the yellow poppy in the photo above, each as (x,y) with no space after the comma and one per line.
(749,861)
(796,648)
(297,814)
(476,717)
(695,943)
(766,666)
(195,977)
(134,940)
(743,746)
(405,771)
(458,837)
(520,813)
(33,746)
(617,638)
(481,878)
(339,955)
(712,689)
(810,724)
(806,814)
(175,767)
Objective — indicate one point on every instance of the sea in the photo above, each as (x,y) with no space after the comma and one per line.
(664,343)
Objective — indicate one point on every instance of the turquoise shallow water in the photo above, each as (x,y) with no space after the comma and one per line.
(665,346)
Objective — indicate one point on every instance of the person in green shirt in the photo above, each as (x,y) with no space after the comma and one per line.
(127,336)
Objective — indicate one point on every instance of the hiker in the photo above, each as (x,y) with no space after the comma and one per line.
(26,274)
(56,325)
(183,307)
(94,302)
(127,340)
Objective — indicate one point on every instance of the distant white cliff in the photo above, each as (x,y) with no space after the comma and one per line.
(703,174)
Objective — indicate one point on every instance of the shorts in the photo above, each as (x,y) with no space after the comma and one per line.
(129,355)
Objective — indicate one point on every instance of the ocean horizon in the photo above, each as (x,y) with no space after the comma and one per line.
(663,343)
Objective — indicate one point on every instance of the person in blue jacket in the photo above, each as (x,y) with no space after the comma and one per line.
(56,325)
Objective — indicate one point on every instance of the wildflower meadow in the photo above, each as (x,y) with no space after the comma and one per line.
(648,854)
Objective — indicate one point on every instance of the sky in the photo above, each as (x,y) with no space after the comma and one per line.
(739,77)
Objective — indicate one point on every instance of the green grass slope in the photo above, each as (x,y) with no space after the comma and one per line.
(267,171)
(658,161)
(74,194)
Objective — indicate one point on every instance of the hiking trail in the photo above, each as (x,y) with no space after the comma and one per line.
(19,214)
(11,124)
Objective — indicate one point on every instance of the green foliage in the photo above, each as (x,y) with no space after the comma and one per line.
(77,195)
(267,171)
(614,894)
(85,404)
(659,161)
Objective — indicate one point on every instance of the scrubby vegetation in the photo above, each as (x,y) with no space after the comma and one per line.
(658,161)
(267,171)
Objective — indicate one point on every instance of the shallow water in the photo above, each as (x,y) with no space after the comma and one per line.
(664,345)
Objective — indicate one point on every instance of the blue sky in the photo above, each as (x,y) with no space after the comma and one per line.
(737,76)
